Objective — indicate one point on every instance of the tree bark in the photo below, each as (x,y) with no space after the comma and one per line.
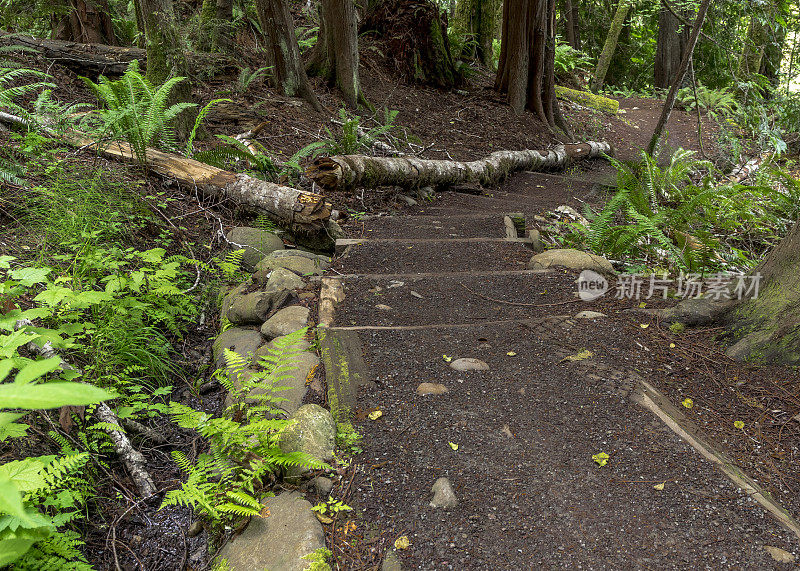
(604,61)
(571,25)
(527,57)
(335,56)
(283,53)
(350,171)
(222,32)
(670,47)
(476,20)
(86,22)
(678,79)
(754,46)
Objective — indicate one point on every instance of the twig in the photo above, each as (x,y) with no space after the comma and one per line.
(486,297)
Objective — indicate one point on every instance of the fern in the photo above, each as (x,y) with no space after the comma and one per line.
(10,95)
(198,121)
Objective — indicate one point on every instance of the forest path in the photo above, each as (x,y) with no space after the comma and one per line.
(516,441)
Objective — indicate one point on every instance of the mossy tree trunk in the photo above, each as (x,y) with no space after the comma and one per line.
(526,71)
(477,21)
(753,52)
(670,47)
(335,55)
(767,328)
(222,33)
(165,56)
(283,53)
(610,46)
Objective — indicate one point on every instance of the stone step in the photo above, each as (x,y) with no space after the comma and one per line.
(449,226)
(398,256)
(456,299)
(343,243)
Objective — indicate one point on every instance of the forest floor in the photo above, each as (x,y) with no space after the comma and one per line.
(526,432)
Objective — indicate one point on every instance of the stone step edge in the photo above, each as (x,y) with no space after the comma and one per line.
(656,402)
(428,275)
(343,243)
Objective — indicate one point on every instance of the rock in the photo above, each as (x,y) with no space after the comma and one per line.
(256,244)
(511,228)
(443,494)
(536,240)
(780,555)
(426,193)
(302,363)
(573,259)
(586,314)
(281,279)
(253,307)
(242,341)
(302,265)
(383,307)
(417,295)
(322,485)
(697,311)
(195,529)
(407,199)
(279,541)
(287,320)
(314,433)
(431,389)
(322,241)
(391,562)
(469,364)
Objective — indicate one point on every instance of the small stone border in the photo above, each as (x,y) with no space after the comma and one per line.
(266,306)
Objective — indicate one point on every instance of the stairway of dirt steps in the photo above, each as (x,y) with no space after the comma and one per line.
(515,440)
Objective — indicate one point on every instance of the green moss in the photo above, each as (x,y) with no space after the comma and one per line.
(587,99)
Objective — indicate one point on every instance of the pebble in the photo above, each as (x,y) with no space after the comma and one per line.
(589,315)
(431,389)
(469,364)
(383,307)
(195,529)
(443,494)
(417,295)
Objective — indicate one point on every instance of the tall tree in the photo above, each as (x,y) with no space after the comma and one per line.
(527,59)
(477,21)
(165,57)
(610,46)
(670,46)
(571,24)
(283,52)
(335,55)
(84,21)
(678,78)
(222,33)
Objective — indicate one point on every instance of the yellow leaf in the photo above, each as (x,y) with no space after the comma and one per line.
(446,358)
(672,345)
(453,445)
(642,305)
(402,542)
(659,487)
(580,356)
(688,403)
(601,458)
(738,424)
(511,354)
(322,518)
(644,325)
(375,414)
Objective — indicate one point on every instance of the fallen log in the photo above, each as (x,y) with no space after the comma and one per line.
(102,59)
(591,100)
(742,173)
(349,171)
(300,212)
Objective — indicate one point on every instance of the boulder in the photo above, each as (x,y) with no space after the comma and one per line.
(314,432)
(253,307)
(324,241)
(280,279)
(294,376)
(256,244)
(242,341)
(573,259)
(278,541)
(287,320)
(303,265)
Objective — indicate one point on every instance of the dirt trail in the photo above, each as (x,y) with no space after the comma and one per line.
(530,495)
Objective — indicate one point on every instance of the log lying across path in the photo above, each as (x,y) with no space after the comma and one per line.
(103,59)
(349,171)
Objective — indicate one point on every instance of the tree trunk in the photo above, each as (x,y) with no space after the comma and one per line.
(671,45)
(86,22)
(767,328)
(678,79)
(414,39)
(527,57)
(350,171)
(283,53)
(222,32)
(165,57)
(773,54)
(208,12)
(604,61)
(476,20)
(572,28)
(335,56)
(754,46)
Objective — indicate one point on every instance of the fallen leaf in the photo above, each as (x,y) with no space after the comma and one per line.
(402,542)
(375,414)
(323,518)
(738,424)
(511,354)
(642,305)
(644,325)
(672,345)
(601,458)
(659,487)
(453,445)
(688,403)
(446,358)
(579,356)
